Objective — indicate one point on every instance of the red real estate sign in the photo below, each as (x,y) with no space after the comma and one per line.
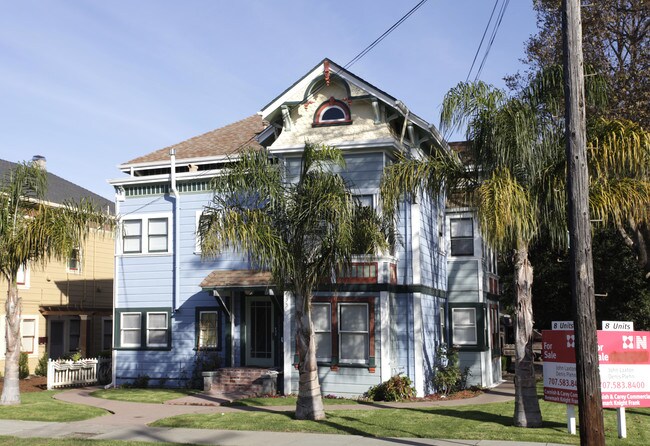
(624,362)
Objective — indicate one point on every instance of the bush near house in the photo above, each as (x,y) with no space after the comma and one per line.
(397,388)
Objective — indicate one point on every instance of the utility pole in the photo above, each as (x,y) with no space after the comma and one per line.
(592,429)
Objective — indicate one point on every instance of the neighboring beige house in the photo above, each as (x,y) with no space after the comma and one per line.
(67,305)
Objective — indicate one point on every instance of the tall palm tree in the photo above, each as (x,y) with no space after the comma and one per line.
(515,178)
(300,229)
(33,232)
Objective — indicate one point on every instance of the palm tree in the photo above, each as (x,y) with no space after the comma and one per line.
(515,178)
(300,229)
(33,232)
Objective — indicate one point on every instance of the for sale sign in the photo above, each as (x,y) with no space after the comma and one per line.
(624,361)
(558,353)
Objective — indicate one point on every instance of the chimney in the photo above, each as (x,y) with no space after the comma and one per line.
(39,161)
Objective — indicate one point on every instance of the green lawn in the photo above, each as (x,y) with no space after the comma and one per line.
(286,401)
(474,422)
(158,396)
(40,406)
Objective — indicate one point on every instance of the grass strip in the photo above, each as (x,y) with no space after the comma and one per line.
(472,422)
(155,396)
(40,406)
(286,401)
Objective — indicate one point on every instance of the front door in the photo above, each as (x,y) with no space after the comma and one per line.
(260,345)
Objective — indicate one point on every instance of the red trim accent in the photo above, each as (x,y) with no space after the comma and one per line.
(370,279)
(326,66)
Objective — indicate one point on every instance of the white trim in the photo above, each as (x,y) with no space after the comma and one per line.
(26,273)
(165,328)
(79,269)
(122,330)
(287,364)
(341,333)
(416,215)
(472,310)
(418,357)
(384,332)
(144,234)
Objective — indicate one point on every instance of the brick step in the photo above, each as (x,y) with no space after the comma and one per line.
(240,381)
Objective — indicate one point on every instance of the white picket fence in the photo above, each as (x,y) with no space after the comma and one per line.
(68,373)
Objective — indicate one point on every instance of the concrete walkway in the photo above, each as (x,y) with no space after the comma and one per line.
(128,421)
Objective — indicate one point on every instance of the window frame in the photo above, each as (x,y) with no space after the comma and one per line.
(327,333)
(481,319)
(330,104)
(144,343)
(70,269)
(335,302)
(464,326)
(150,329)
(453,238)
(34,336)
(23,277)
(342,333)
(219,328)
(146,234)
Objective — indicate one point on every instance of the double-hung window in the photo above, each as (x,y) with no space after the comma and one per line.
(344,331)
(353,333)
(28,336)
(464,326)
(146,235)
(462,236)
(147,328)
(322,320)
(157,325)
(132,236)
(131,330)
(158,230)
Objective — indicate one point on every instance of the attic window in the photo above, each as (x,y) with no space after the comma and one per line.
(332,112)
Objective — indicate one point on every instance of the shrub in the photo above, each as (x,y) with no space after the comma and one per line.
(141,382)
(23,366)
(397,388)
(41,368)
(448,377)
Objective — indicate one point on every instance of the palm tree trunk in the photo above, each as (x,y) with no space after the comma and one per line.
(310,403)
(11,387)
(527,412)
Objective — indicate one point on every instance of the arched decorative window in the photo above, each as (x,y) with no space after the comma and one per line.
(332,112)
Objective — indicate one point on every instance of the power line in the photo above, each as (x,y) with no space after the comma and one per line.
(496,2)
(369,48)
(502,12)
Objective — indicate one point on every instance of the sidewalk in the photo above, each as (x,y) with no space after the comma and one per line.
(128,421)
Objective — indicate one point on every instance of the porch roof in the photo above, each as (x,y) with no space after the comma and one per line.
(244,278)
(73,310)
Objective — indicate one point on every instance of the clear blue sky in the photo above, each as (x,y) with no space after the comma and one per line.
(90,84)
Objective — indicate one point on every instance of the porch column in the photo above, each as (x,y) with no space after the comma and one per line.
(83,335)
(287,363)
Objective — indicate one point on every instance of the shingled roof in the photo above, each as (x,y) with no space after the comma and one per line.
(223,141)
(236,278)
(59,190)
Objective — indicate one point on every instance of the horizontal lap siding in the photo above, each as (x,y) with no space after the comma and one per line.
(432,259)
(361,170)
(463,280)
